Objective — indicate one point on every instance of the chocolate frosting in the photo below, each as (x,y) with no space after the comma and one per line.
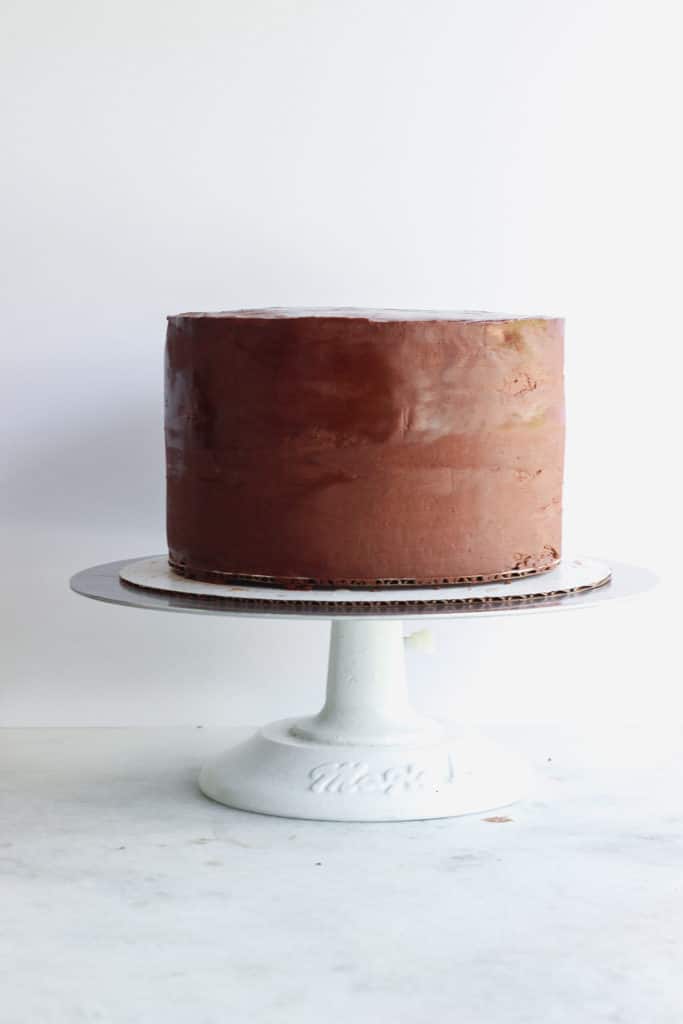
(363,447)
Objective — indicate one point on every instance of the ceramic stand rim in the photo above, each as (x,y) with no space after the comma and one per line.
(103,583)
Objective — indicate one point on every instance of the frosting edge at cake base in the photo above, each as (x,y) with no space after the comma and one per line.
(372,583)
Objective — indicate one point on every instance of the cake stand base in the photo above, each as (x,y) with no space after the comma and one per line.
(368,755)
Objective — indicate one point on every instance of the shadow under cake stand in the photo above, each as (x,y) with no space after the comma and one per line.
(367,755)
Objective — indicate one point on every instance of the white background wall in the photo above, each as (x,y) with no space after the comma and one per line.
(520,156)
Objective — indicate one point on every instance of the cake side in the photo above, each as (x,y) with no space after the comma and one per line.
(340,450)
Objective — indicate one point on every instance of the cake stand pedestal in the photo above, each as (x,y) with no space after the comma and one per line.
(367,755)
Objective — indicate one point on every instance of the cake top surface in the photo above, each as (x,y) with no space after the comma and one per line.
(350,312)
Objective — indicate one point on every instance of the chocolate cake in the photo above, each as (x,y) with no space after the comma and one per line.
(357,447)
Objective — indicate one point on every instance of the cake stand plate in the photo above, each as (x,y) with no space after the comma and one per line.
(367,755)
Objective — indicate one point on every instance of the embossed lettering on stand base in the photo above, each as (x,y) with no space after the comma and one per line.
(356,777)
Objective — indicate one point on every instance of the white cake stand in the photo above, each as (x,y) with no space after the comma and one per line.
(367,755)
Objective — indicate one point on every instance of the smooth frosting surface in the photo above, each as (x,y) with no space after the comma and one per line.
(344,449)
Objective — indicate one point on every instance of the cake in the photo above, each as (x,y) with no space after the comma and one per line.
(363,448)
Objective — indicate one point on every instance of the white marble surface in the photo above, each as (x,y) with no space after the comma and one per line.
(129,897)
